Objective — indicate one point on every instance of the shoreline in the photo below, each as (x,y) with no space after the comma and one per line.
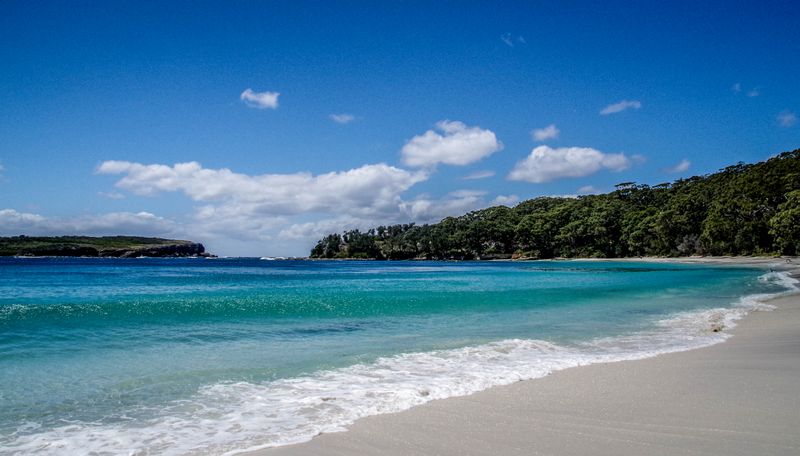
(701,401)
(755,259)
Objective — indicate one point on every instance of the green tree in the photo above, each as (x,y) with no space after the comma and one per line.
(742,209)
(785,225)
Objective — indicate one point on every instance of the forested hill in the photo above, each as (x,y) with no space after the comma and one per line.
(740,210)
(108,246)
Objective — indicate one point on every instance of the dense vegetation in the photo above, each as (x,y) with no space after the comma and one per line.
(111,246)
(740,210)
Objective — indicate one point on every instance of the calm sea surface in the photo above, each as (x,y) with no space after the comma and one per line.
(213,356)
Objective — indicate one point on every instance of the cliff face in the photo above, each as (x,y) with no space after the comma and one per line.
(114,246)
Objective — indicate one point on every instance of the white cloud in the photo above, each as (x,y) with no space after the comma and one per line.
(13,222)
(342,118)
(510,40)
(548,132)
(479,175)
(268,214)
(505,200)
(365,190)
(123,223)
(457,144)
(234,210)
(589,190)
(680,167)
(620,106)
(232,221)
(112,195)
(787,118)
(260,100)
(424,209)
(466,193)
(546,164)
(754,92)
(318,229)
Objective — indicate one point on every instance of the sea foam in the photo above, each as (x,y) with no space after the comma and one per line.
(229,418)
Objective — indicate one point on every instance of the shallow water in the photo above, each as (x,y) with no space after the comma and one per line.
(171,356)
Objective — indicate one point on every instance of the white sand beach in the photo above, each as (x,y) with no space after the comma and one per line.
(740,397)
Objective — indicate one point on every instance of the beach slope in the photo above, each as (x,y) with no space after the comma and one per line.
(740,397)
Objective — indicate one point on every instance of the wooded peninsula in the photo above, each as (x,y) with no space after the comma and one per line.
(108,246)
(744,209)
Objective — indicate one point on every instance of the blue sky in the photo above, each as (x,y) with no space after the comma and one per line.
(359,114)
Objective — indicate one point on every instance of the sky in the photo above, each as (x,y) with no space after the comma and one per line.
(258,127)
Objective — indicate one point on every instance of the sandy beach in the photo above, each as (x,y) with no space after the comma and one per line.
(740,397)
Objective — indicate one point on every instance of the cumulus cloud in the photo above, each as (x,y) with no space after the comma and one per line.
(620,106)
(422,209)
(318,229)
(454,144)
(365,190)
(546,164)
(342,118)
(785,119)
(479,175)
(737,87)
(589,190)
(275,214)
(548,132)
(505,200)
(289,212)
(13,222)
(260,100)
(426,210)
(680,167)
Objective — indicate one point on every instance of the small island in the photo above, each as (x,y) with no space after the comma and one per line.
(106,246)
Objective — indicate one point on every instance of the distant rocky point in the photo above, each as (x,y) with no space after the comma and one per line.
(106,246)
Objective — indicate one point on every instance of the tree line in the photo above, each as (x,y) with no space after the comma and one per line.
(744,209)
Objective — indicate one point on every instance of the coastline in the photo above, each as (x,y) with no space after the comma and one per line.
(736,397)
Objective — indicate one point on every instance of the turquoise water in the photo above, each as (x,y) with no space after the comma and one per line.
(212,356)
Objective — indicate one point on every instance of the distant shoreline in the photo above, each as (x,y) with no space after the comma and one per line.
(742,260)
(786,262)
(99,247)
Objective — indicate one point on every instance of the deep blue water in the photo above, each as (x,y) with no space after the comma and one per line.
(129,355)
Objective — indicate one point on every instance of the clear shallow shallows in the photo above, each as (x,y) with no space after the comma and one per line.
(157,356)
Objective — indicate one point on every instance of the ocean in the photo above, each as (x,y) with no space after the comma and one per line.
(218,356)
